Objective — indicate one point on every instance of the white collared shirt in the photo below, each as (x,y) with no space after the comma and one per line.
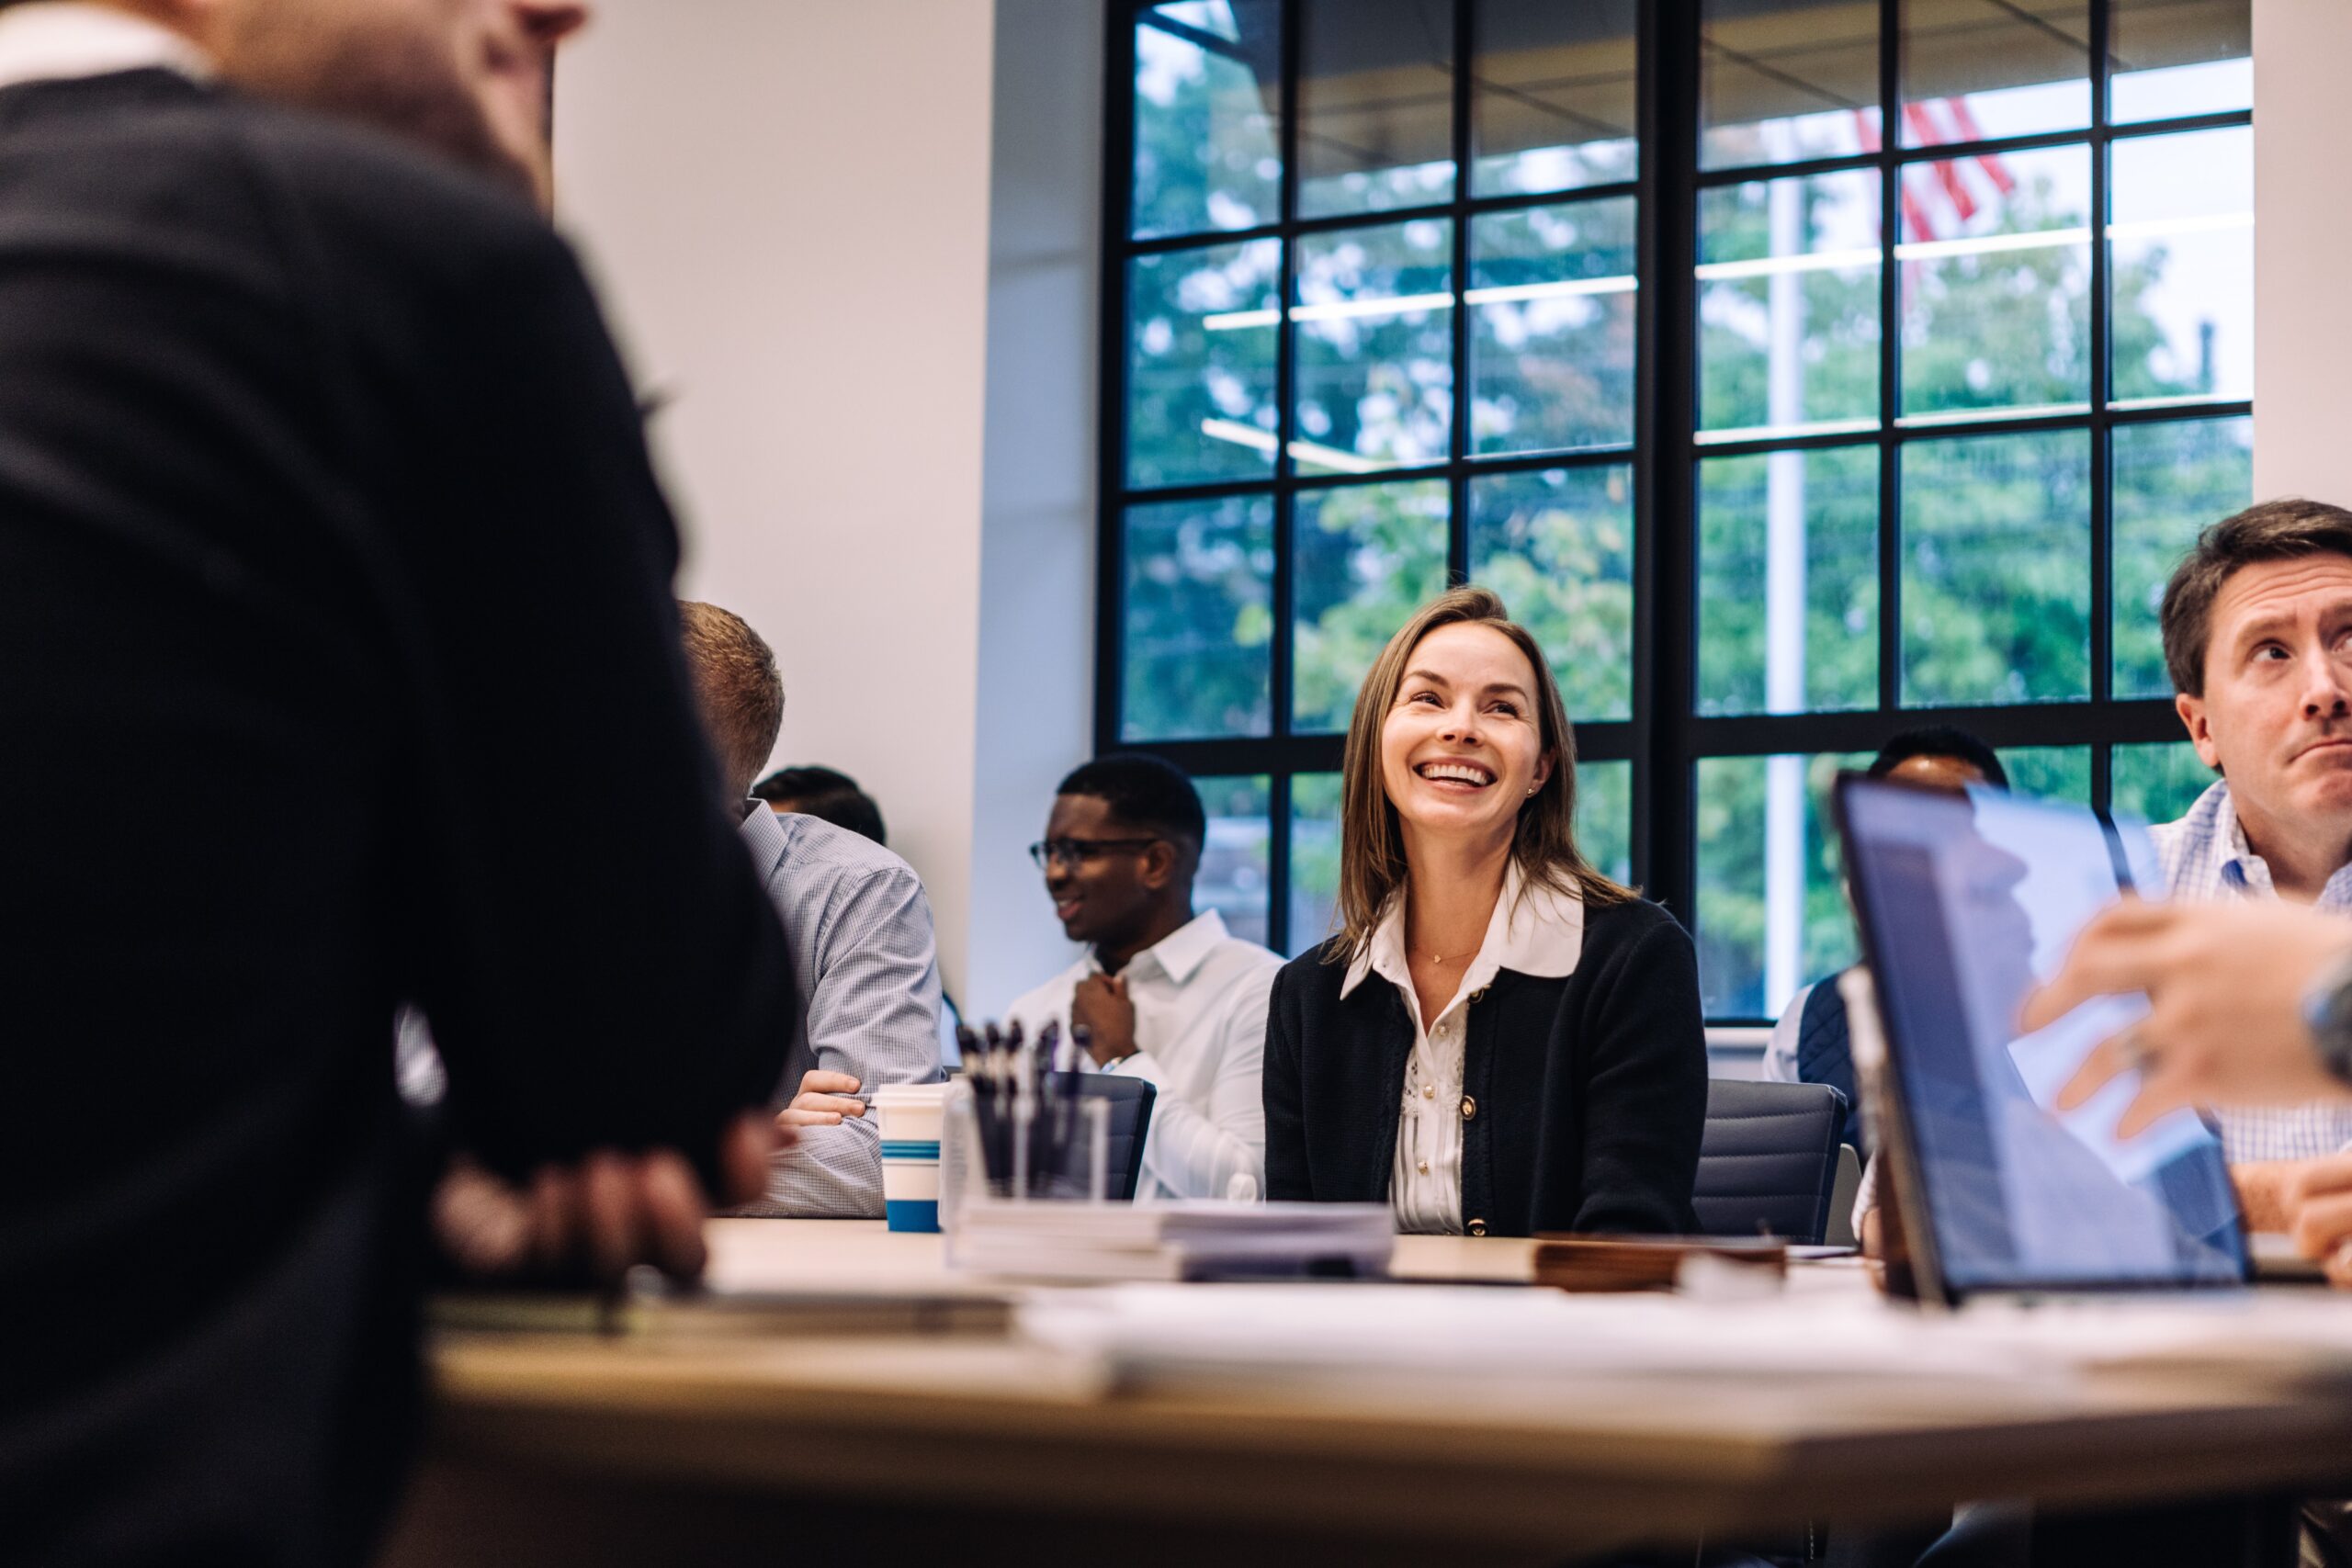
(60,40)
(1200,997)
(1534,931)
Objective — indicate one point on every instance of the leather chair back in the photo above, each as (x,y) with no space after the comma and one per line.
(1769,1159)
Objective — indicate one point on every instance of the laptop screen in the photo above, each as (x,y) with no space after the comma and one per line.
(1966,902)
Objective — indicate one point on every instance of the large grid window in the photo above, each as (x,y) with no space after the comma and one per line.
(1800,370)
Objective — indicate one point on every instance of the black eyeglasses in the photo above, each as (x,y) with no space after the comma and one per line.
(1078,851)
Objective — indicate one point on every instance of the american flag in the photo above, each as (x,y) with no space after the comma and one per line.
(1941,198)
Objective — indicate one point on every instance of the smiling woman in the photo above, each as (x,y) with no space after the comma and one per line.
(1528,1054)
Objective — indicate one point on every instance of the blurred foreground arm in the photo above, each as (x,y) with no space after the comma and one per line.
(2226,984)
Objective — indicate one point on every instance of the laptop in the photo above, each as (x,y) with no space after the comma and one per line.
(1965,902)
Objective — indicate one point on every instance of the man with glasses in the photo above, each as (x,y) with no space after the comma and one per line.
(1162,993)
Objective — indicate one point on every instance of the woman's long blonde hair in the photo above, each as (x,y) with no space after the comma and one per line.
(1372,849)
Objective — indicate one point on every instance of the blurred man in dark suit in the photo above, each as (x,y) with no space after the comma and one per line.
(318,475)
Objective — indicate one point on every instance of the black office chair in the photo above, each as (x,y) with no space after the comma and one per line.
(1130,1101)
(1768,1161)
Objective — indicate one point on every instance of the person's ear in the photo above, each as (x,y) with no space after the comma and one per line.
(1543,774)
(2200,729)
(549,22)
(193,18)
(1160,863)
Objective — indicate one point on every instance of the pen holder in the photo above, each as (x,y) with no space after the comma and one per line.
(1050,1145)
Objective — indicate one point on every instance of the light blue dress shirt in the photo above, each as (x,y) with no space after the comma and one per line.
(2206,856)
(867,968)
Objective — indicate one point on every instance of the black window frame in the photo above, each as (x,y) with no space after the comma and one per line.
(1665,735)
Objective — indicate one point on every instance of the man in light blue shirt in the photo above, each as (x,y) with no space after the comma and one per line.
(865,961)
(2257,635)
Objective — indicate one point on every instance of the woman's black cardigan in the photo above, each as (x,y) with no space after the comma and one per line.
(1585,1094)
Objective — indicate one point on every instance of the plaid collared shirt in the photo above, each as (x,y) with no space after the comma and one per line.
(2205,856)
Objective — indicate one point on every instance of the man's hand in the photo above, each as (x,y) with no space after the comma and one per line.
(2262,1187)
(824,1098)
(603,1216)
(2225,985)
(2318,1201)
(1102,1007)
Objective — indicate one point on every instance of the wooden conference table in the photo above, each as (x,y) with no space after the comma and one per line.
(692,1448)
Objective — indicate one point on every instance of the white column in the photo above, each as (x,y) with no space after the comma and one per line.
(2303,203)
(1784,607)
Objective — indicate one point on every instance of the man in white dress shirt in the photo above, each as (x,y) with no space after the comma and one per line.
(1164,994)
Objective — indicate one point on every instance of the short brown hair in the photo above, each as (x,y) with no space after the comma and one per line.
(2271,530)
(1371,849)
(736,683)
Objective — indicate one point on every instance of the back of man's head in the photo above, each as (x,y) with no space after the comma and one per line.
(826,794)
(1147,793)
(1942,742)
(2269,531)
(447,74)
(738,690)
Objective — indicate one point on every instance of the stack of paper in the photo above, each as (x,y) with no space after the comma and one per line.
(1173,1241)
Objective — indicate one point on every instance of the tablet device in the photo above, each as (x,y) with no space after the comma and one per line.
(1965,902)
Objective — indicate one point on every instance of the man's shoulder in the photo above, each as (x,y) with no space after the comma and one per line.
(1048,1000)
(145,138)
(1239,955)
(2192,834)
(817,854)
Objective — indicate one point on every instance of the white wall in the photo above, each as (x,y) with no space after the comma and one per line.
(855,242)
(2302,267)
(788,204)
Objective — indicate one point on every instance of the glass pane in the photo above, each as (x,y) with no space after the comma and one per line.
(2171,481)
(1364,558)
(1201,364)
(1198,619)
(1788,581)
(1605,817)
(2182,246)
(1996,569)
(1558,547)
(1789,307)
(2180,57)
(1772,908)
(1781,80)
(1314,858)
(1997,265)
(1375,104)
(1208,117)
(2159,784)
(1974,69)
(1236,874)
(1552,329)
(2054,772)
(1553,98)
(1375,347)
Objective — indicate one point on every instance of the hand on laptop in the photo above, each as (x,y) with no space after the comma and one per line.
(824,1098)
(603,1216)
(2318,1201)
(2225,985)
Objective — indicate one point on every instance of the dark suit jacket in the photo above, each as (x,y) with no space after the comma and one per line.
(1591,1091)
(337,666)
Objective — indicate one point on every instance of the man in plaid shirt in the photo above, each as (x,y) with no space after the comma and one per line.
(2257,637)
